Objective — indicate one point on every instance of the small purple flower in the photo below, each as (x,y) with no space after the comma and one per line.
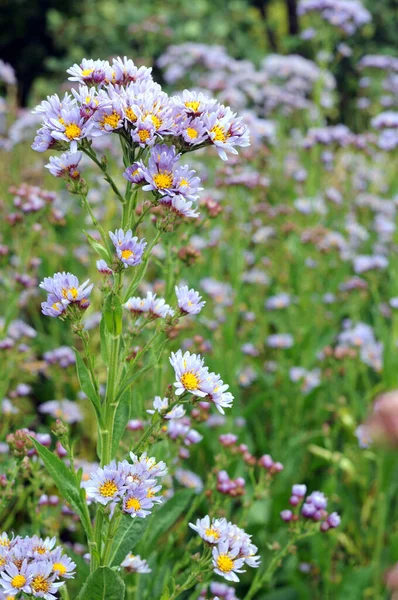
(189,301)
(66,165)
(134,173)
(286,515)
(318,500)
(128,248)
(299,490)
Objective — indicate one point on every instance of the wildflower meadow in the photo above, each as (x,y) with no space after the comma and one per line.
(199,322)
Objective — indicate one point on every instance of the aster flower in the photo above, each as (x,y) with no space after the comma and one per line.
(66,165)
(65,287)
(192,131)
(134,173)
(189,480)
(183,208)
(211,531)
(217,392)
(136,502)
(226,562)
(125,71)
(129,250)
(43,584)
(106,485)
(70,127)
(66,410)
(62,565)
(14,580)
(156,469)
(190,373)
(226,131)
(90,72)
(189,301)
(135,564)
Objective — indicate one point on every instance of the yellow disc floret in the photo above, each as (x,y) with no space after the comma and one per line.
(59,568)
(143,134)
(87,72)
(18,581)
(220,134)
(127,253)
(192,133)
(193,105)
(40,584)
(225,564)
(72,131)
(213,533)
(130,114)
(163,180)
(133,503)
(108,489)
(72,291)
(112,120)
(190,381)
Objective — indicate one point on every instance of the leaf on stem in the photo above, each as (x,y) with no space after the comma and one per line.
(103,584)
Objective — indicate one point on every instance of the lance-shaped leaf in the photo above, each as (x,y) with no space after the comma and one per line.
(103,584)
(128,535)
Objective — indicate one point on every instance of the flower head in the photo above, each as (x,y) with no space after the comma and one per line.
(129,249)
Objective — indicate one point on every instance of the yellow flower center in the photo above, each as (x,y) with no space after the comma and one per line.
(184,182)
(163,180)
(4,542)
(190,381)
(130,114)
(2,561)
(126,253)
(219,133)
(150,493)
(225,564)
(40,584)
(72,131)
(87,72)
(59,568)
(40,549)
(193,105)
(143,134)
(192,133)
(133,503)
(108,489)
(55,306)
(112,120)
(18,581)
(73,291)
(156,121)
(212,533)
(134,173)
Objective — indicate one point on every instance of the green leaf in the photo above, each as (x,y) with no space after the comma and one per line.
(66,483)
(168,514)
(103,584)
(104,342)
(113,314)
(121,419)
(98,248)
(128,535)
(86,384)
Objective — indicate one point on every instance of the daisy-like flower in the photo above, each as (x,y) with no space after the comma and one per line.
(14,580)
(161,405)
(212,531)
(43,140)
(183,208)
(135,564)
(125,71)
(194,104)
(129,249)
(217,392)
(40,548)
(226,131)
(136,502)
(70,127)
(106,485)
(43,584)
(66,165)
(190,373)
(5,541)
(193,131)
(226,562)
(156,469)
(144,134)
(189,301)
(62,565)
(66,288)
(189,480)
(66,410)
(137,305)
(134,174)
(159,173)
(90,72)
(103,267)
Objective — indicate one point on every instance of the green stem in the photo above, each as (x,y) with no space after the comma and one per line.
(102,166)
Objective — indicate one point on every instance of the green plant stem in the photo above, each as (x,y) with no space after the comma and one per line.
(88,150)
(113,525)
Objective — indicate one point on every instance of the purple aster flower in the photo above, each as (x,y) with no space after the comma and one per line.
(90,72)
(190,373)
(70,127)
(103,268)
(106,485)
(65,165)
(318,500)
(136,502)
(14,580)
(183,208)
(226,131)
(192,131)
(43,140)
(299,490)
(64,289)
(226,562)
(286,515)
(129,250)
(43,584)
(135,564)
(189,301)
(134,173)
(125,71)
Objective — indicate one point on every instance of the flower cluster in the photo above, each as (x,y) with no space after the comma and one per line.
(131,486)
(313,508)
(232,546)
(193,377)
(128,248)
(188,301)
(347,15)
(33,566)
(64,291)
